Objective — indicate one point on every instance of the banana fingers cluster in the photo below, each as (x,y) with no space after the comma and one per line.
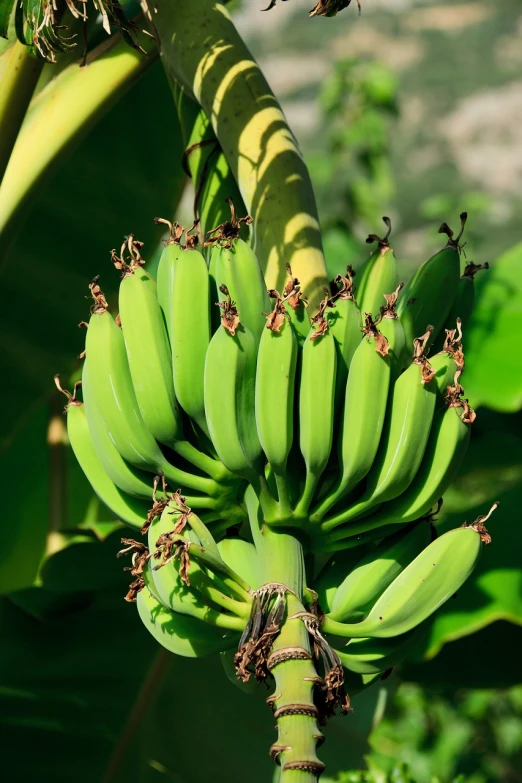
(343,429)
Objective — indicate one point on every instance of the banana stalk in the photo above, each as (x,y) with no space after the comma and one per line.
(219,71)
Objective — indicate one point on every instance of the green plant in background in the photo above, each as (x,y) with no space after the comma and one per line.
(189,411)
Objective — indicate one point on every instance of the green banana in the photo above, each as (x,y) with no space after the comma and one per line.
(148,355)
(180,583)
(183,289)
(181,634)
(128,478)
(334,571)
(447,445)
(370,577)
(316,404)
(377,275)
(425,584)
(229,384)
(234,264)
(274,393)
(242,557)
(404,438)
(462,307)
(390,326)
(344,320)
(129,509)
(429,296)
(370,655)
(113,393)
(364,413)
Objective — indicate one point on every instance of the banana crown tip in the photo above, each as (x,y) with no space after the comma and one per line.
(227,233)
(72,399)
(130,258)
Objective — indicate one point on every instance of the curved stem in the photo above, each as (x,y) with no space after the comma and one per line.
(217,68)
(213,468)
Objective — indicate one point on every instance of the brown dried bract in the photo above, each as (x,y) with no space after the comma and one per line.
(479,526)
(183,511)
(175,231)
(228,232)
(383,241)
(347,288)
(229,315)
(71,398)
(389,309)
(330,7)
(276,319)
(419,346)
(264,624)
(331,694)
(158,506)
(127,266)
(370,330)
(471,269)
(100,303)
(319,320)
(140,556)
(168,549)
(454,399)
(454,242)
(292,291)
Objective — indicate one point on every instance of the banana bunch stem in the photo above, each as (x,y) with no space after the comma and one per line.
(219,71)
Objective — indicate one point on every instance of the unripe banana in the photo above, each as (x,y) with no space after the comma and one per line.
(234,264)
(364,413)
(425,584)
(148,354)
(127,508)
(371,656)
(230,370)
(274,393)
(113,393)
(447,446)
(462,307)
(183,285)
(128,478)
(404,438)
(316,404)
(181,634)
(334,572)
(344,322)
(242,557)
(377,275)
(180,583)
(429,296)
(370,577)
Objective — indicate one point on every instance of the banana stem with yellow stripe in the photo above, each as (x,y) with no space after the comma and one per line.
(202,51)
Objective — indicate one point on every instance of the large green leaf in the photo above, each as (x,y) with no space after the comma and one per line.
(493,339)
(124,173)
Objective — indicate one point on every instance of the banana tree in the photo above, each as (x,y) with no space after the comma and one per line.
(279,441)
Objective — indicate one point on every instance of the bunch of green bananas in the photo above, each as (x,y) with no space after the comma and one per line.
(341,432)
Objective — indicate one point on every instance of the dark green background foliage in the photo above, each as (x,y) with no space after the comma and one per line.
(408,111)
